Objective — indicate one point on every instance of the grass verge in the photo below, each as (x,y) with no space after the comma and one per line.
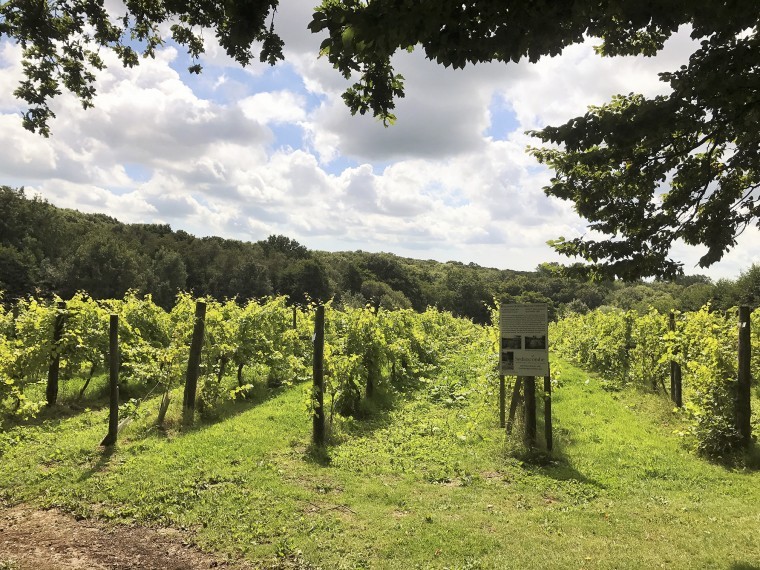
(425,484)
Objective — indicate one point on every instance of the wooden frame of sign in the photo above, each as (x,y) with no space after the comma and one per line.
(524,353)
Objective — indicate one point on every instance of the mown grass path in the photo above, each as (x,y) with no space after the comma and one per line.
(422,485)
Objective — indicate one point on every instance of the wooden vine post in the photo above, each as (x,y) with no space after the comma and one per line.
(548,412)
(113,377)
(14,315)
(51,390)
(369,388)
(194,362)
(318,418)
(675,370)
(373,363)
(743,392)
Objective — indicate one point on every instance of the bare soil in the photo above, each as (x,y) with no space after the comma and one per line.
(32,539)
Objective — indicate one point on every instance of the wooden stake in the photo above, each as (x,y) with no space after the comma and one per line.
(51,390)
(318,419)
(14,314)
(743,392)
(194,362)
(113,377)
(675,370)
(548,411)
(679,384)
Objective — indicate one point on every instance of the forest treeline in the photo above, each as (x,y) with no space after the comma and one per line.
(46,250)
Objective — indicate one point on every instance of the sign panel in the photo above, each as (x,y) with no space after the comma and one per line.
(524,339)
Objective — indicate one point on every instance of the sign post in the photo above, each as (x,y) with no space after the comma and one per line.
(524,352)
(502,400)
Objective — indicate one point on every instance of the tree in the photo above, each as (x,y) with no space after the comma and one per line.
(281,244)
(695,296)
(305,280)
(399,276)
(105,267)
(642,297)
(748,286)
(382,295)
(645,172)
(468,295)
(352,279)
(725,295)
(167,277)
(15,272)
(250,280)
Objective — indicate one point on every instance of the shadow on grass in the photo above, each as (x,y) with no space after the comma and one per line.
(317,455)
(740,460)
(554,464)
(96,398)
(372,414)
(752,457)
(205,418)
(560,468)
(744,566)
(106,453)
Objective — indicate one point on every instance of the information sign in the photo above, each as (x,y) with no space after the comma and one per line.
(524,339)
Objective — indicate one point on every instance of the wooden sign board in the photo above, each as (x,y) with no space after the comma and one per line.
(524,339)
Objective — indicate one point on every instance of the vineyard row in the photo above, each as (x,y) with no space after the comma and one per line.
(627,348)
(364,349)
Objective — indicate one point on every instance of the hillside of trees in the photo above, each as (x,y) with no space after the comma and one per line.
(46,250)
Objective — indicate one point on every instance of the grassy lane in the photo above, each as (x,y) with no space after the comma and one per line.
(423,485)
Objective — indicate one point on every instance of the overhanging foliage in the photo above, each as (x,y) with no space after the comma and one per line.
(644,172)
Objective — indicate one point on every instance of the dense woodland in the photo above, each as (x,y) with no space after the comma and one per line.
(45,250)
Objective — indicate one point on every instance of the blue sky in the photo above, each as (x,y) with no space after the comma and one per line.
(245,153)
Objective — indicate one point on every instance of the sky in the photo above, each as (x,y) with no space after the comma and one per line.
(244,153)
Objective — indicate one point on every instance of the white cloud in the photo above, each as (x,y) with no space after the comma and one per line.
(274,107)
(130,207)
(10,75)
(555,89)
(451,180)
(25,155)
(444,113)
(741,257)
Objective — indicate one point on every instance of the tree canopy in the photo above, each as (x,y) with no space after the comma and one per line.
(645,172)
(47,251)
(683,166)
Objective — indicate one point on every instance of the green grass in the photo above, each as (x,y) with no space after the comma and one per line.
(417,485)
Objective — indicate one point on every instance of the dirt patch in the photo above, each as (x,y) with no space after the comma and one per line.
(50,540)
